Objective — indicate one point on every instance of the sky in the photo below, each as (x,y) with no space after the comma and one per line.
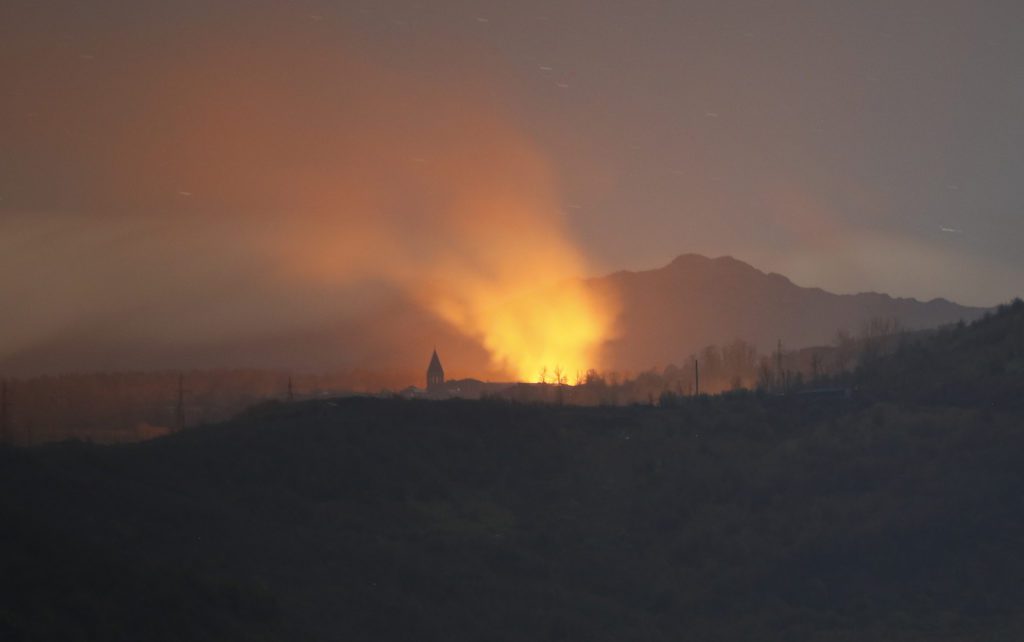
(197,172)
(838,143)
(853,146)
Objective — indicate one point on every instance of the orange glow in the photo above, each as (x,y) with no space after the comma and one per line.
(524,304)
(562,331)
(293,185)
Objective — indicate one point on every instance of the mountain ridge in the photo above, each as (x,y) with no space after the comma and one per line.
(670,312)
(729,259)
(665,315)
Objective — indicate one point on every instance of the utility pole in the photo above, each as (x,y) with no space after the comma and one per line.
(778,366)
(696,378)
(291,392)
(179,411)
(5,427)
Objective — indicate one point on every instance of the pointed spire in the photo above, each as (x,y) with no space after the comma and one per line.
(435,363)
(435,373)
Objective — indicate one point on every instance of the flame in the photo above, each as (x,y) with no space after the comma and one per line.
(558,332)
(527,309)
(508,272)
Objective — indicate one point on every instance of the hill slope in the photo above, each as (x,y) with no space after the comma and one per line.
(981,365)
(674,311)
(894,516)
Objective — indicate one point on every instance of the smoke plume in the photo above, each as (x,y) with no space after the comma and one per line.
(241,188)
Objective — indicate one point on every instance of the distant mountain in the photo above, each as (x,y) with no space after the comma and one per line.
(666,315)
(694,301)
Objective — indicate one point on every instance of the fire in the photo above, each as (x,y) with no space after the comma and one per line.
(529,324)
(558,332)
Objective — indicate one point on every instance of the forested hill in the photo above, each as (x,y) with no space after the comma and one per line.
(977,365)
(895,515)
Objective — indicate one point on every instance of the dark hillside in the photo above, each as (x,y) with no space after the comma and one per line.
(977,365)
(741,517)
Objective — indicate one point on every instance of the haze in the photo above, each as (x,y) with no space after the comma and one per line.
(348,182)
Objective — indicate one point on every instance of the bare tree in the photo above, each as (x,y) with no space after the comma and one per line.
(593,378)
(815,365)
(845,350)
(766,376)
(739,363)
(877,337)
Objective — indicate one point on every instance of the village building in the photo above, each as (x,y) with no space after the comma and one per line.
(435,374)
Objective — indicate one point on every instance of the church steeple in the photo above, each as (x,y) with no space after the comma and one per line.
(435,373)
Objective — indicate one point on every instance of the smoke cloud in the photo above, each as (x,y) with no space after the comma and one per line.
(215,200)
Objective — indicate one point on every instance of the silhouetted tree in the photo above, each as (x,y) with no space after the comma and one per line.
(560,378)
(845,350)
(876,337)
(815,365)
